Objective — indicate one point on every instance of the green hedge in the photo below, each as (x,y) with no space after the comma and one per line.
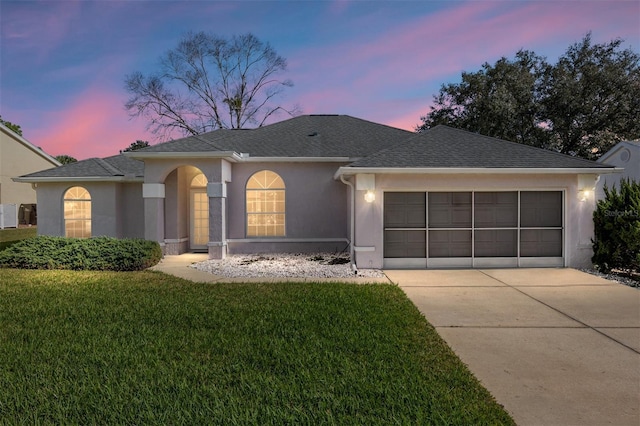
(92,254)
(617,228)
(7,244)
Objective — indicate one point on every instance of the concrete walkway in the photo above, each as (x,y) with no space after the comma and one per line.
(554,346)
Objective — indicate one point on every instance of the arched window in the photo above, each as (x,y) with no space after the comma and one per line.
(265,205)
(77,213)
(199,181)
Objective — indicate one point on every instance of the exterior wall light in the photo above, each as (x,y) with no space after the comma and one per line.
(366,182)
(369,196)
(586,186)
(584,194)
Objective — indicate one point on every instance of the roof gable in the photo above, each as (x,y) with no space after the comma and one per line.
(608,157)
(446,147)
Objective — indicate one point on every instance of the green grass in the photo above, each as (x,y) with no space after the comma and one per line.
(15,234)
(10,236)
(149,348)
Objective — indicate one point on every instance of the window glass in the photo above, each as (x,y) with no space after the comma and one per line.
(265,201)
(77,213)
(199,181)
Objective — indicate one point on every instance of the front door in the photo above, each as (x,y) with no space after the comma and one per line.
(199,235)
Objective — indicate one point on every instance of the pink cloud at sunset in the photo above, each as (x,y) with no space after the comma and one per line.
(62,63)
(88,127)
(412,60)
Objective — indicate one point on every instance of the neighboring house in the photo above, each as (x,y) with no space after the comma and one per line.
(442,198)
(624,155)
(18,157)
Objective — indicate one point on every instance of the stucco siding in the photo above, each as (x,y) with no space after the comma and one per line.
(116,209)
(316,205)
(50,208)
(130,211)
(624,155)
(578,223)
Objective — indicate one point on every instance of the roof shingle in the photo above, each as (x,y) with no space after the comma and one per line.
(303,136)
(115,166)
(446,147)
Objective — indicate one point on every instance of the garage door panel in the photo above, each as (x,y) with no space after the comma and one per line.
(404,210)
(450,243)
(407,244)
(496,209)
(541,243)
(449,209)
(496,243)
(541,209)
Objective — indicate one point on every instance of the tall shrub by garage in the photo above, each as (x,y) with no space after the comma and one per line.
(617,228)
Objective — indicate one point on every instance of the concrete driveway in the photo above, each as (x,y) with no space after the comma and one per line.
(554,346)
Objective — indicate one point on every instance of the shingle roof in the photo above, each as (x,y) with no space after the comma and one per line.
(446,147)
(116,166)
(368,144)
(303,136)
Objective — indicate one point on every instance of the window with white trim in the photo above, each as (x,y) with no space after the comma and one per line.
(265,197)
(77,213)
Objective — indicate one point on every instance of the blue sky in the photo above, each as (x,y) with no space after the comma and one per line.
(63,63)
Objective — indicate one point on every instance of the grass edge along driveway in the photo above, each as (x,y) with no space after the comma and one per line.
(145,347)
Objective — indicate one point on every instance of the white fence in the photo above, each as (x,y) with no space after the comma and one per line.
(8,216)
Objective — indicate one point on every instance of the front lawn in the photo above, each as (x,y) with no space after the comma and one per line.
(149,348)
(10,235)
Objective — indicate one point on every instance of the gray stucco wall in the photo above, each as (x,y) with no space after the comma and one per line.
(625,155)
(116,208)
(316,208)
(131,209)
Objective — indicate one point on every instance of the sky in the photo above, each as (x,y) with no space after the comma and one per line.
(63,63)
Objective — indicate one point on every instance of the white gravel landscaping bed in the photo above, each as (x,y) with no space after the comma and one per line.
(614,277)
(315,265)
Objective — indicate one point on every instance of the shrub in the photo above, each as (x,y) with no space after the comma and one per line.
(94,254)
(617,228)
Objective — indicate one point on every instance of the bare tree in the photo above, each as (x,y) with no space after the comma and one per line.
(209,82)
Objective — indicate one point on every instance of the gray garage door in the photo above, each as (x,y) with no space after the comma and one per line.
(473,229)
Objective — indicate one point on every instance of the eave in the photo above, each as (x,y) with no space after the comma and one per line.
(248,159)
(350,171)
(230,156)
(51,179)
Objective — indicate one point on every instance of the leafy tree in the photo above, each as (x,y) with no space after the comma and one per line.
(617,228)
(13,127)
(65,159)
(591,98)
(139,144)
(582,105)
(209,82)
(499,100)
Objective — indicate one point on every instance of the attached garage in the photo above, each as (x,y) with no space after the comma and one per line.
(448,198)
(473,229)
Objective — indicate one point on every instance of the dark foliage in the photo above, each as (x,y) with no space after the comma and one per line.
(93,254)
(582,105)
(617,229)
